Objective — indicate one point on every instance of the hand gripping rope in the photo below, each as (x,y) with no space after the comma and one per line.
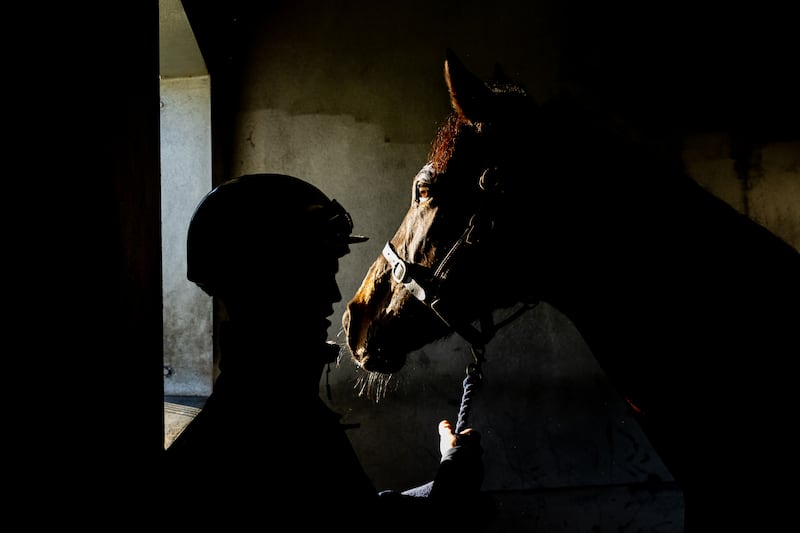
(471,382)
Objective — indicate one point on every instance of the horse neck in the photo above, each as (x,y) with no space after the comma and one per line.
(660,254)
(611,229)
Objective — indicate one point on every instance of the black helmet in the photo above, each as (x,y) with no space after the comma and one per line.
(242,220)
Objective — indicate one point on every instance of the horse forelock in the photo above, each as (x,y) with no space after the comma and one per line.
(444,144)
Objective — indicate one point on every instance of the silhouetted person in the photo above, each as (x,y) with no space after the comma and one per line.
(265,452)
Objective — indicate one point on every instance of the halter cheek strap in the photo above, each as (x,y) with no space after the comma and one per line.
(401,274)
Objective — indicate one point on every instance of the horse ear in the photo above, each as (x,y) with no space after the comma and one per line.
(469,96)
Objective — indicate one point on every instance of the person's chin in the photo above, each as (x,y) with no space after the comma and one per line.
(323,330)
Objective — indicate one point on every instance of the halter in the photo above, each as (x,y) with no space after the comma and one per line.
(427,291)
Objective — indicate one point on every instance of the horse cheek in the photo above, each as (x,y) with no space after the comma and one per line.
(355,311)
(367,301)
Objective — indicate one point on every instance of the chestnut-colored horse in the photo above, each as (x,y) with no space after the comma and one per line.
(691,308)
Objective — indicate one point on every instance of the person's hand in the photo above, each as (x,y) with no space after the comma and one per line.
(460,473)
(449,439)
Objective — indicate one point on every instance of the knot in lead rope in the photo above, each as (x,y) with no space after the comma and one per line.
(471,381)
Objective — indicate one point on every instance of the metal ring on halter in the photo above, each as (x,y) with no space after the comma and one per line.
(474,370)
(400,272)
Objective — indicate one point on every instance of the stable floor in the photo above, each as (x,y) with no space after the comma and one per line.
(179,411)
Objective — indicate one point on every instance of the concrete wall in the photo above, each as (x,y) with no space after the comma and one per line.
(186,176)
(185,179)
(767,190)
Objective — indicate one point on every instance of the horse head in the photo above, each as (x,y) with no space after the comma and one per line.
(450,262)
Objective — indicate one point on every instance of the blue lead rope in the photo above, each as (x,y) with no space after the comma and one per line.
(471,382)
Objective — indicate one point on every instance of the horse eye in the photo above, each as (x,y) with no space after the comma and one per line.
(423,192)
